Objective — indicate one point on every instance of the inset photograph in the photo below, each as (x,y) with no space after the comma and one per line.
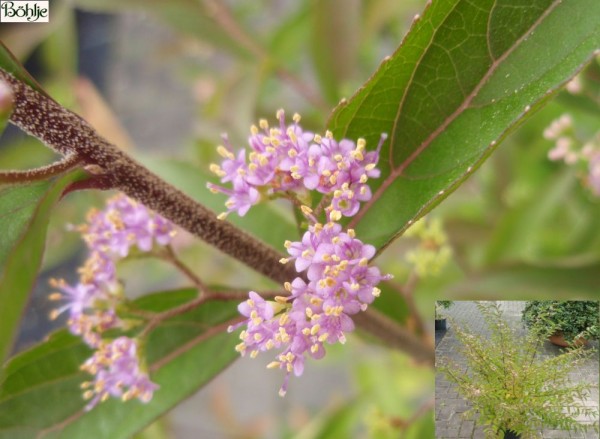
(517,369)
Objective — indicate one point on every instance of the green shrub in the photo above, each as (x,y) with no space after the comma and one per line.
(573,318)
(510,386)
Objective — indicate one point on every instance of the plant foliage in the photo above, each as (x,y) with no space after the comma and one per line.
(573,318)
(510,385)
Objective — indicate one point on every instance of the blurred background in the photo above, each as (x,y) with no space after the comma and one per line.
(164,80)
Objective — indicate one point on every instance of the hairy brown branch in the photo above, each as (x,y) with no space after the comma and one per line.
(41,173)
(69,134)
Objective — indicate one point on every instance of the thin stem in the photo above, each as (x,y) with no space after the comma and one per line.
(210,332)
(291,197)
(173,312)
(169,255)
(155,319)
(324,202)
(228,23)
(41,173)
(386,329)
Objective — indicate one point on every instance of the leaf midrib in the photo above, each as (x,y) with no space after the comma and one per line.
(397,172)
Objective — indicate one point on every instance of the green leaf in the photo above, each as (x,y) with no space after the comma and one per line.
(24,215)
(9,63)
(40,394)
(466,73)
(522,280)
(267,221)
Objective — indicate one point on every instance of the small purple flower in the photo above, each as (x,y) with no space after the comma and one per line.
(241,198)
(117,373)
(91,302)
(78,297)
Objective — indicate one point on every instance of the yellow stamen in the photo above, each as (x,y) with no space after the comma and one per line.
(306,210)
(225,153)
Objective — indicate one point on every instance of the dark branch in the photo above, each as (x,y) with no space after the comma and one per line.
(69,134)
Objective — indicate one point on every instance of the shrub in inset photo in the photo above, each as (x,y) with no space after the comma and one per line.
(515,391)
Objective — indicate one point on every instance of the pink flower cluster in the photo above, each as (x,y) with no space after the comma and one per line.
(116,369)
(571,150)
(336,280)
(286,158)
(110,235)
(340,284)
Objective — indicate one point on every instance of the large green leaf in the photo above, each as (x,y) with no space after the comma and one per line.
(24,215)
(40,395)
(464,75)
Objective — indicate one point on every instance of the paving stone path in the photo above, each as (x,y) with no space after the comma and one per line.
(449,423)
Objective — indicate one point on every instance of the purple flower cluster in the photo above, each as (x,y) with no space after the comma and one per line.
(286,158)
(340,284)
(336,279)
(117,372)
(110,235)
(123,224)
